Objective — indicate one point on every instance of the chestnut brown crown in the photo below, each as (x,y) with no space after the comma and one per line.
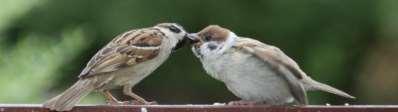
(212,33)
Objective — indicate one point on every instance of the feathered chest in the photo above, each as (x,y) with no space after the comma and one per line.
(232,65)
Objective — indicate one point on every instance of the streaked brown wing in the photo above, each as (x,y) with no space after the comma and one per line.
(279,62)
(127,49)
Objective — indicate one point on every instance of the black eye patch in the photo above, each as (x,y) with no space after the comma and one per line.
(207,38)
(174,29)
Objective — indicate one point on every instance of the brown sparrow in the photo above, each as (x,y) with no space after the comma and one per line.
(125,61)
(257,73)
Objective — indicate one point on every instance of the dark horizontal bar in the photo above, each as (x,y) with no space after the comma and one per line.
(203,108)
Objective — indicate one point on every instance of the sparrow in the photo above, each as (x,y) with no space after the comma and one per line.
(123,62)
(256,72)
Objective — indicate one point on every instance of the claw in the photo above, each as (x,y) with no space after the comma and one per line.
(118,102)
(135,102)
(242,102)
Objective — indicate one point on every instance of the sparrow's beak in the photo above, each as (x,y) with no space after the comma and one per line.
(193,38)
(186,40)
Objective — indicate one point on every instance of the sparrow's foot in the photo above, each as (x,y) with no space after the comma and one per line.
(111,102)
(152,103)
(136,102)
(243,102)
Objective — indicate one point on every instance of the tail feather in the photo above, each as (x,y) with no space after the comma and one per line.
(66,100)
(314,85)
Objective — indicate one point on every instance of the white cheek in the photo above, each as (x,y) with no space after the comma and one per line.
(195,52)
(205,51)
(175,35)
(179,36)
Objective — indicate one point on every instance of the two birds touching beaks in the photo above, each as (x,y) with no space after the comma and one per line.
(256,72)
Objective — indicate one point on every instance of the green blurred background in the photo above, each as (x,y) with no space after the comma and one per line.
(349,44)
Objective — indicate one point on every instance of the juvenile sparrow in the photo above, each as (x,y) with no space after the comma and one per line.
(257,73)
(125,61)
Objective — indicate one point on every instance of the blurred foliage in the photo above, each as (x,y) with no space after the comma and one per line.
(45,44)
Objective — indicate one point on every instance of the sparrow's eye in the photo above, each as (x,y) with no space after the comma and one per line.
(207,38)
(174,29)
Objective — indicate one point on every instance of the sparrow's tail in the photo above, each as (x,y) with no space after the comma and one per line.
(66,100)
(314,85)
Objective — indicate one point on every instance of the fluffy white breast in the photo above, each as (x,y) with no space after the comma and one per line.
(248,77)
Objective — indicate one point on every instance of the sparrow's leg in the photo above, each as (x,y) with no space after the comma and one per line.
(245,102)
(110,99)
(127,90)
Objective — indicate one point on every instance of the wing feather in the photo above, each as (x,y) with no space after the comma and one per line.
(127,49)
(280,63)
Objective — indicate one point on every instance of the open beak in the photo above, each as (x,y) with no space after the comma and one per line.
(187,39)
(193,38)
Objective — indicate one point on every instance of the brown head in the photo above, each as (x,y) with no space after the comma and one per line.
(212,39)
